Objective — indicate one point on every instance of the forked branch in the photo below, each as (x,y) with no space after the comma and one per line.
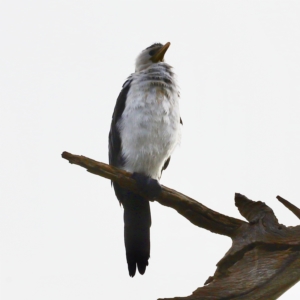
(264,259)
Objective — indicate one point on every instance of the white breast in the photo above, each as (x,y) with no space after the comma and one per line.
(149,126)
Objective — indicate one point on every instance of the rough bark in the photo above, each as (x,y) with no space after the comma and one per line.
(264,259)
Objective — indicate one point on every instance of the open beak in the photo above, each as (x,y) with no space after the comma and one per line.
(159,56)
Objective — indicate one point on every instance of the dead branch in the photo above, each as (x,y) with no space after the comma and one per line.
(295,210)
(194,211)
(264,259)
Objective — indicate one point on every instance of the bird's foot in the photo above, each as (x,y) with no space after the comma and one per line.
(147,185)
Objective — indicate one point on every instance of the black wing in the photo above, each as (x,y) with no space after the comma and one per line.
(168,160)
(114,139)
(165,165)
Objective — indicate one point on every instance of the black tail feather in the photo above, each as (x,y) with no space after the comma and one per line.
(137,244)
(137,222)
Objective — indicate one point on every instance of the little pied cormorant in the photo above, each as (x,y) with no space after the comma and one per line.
(145,129)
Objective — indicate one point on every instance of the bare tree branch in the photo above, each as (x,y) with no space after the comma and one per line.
(264,259)
(194,211)
(263,262)
(294,209)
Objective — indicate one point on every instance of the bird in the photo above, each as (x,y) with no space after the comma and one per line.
(145,130)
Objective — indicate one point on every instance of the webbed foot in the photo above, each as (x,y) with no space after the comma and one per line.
(147,185)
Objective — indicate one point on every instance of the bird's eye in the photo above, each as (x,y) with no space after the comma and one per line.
(151,52)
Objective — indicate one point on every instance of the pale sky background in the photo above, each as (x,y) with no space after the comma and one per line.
(62,65)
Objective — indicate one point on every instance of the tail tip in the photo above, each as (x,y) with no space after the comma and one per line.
(131,269)
(142,267)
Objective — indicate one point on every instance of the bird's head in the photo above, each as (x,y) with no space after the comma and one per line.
(151,55)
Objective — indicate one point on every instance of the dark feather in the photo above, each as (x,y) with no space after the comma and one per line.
(114,139)
(137,222)
(168,160)
(155,45)
(165,164)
